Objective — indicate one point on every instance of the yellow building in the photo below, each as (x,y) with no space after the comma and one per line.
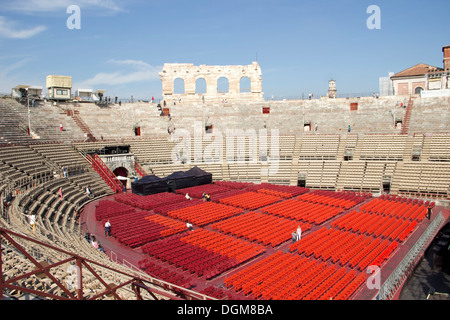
(59,87)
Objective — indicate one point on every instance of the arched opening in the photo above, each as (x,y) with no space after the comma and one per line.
(200,86)
(245,85)
(223,85)
(178,86)
(121,171)
(418,90)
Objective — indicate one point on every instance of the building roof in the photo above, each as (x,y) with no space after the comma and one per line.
(417,70)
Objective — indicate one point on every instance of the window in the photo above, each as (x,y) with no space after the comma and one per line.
(223,85)
(418,90)
(178,86)
(200,86)
(245,85)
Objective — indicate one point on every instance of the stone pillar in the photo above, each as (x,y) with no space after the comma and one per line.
(189,85)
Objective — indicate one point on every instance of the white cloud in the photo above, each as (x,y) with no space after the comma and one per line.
(141,71)
(8,29)
(33,6)
(11,73)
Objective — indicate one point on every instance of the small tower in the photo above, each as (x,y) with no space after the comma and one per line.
(446,51)
(332,92)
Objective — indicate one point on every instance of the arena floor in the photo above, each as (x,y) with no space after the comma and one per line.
(414,288)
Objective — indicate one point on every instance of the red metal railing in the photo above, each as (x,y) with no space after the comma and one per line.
(104,172)
(139,169)
(42,269)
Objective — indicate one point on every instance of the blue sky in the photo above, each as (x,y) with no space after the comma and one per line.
(299,44)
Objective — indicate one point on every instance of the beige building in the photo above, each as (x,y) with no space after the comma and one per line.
(59,87)
(23,91)
(423,78)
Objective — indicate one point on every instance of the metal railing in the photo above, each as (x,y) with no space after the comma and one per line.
(394,282)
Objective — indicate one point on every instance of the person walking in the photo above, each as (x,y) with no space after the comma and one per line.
(108,229)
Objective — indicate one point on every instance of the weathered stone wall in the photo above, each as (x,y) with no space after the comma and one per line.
(211,74)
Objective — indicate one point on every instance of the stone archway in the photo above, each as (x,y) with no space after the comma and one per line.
(190,74)
(121,171)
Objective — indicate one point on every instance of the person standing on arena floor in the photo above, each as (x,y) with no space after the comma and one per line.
(299,233)
(108,229)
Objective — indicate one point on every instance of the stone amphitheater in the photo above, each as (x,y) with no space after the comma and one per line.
(362,145)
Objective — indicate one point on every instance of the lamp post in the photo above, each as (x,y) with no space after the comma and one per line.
(29,120)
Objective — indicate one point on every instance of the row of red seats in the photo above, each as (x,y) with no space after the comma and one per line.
(285,276)
(303,211)
(149,202)
(106,209)
(173,226)
(138,228)
(338,286)
(371,224)
(407,231)
(263,276)
(341,247)
(237,279)
(358,197)
(292,190)
(217,293)
(330,201)
(311,283)
(191,258)
(165,274)
(177,205)
(197,191)
(234,184)
(371,256)
(420,202)
(351,288)
(238,249)
(259,227)
(362,254)
(233,192)
(325,283)
(380,226)
(250,200)
(384,256)
(405,210)
(204,213)
(275,193)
